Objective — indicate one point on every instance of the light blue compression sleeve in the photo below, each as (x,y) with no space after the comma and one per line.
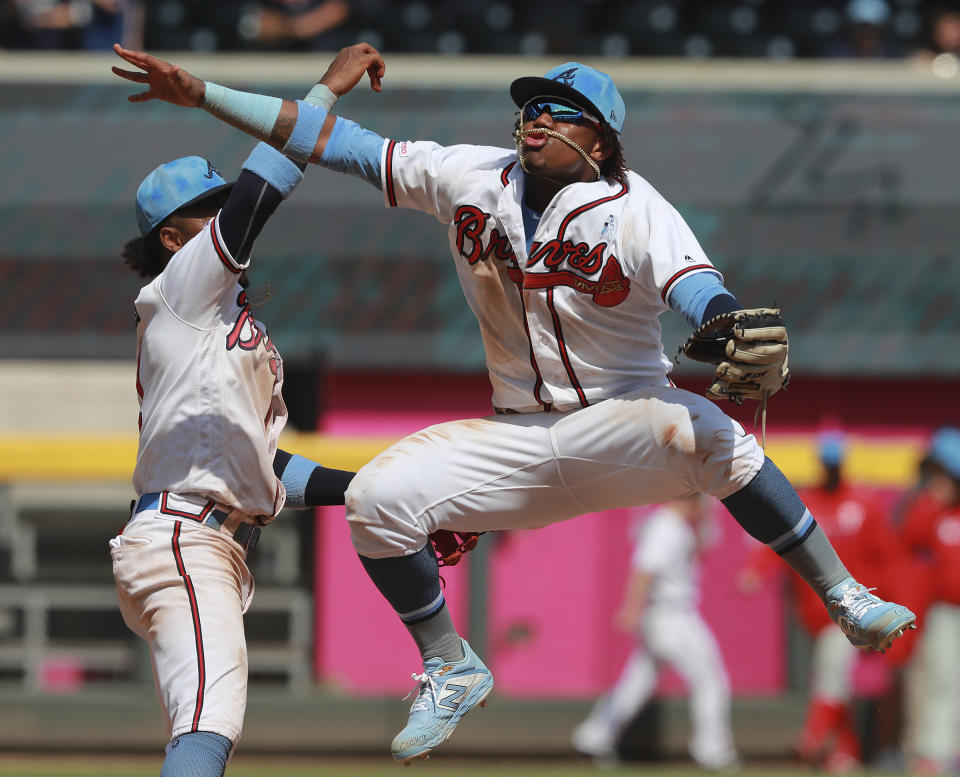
(691,296)
(354,150)
(256,113)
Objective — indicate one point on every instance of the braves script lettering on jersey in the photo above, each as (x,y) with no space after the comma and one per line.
(575,321)
(199,352)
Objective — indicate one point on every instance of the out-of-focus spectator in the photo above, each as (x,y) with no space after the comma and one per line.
(942,46)
(864,538)
(75,24)
(660,610)
(298,24)
(868,32)
(931,529)
(943,36)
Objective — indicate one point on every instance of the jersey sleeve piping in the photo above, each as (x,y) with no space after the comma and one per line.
(221,250)
(668,286)
(389,189)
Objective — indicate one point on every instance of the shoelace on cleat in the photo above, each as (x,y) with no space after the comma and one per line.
(858,600)
(424,683)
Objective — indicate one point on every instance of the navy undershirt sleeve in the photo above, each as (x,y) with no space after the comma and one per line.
(251,202)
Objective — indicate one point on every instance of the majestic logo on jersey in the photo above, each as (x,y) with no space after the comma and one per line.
(474,243)
(566,77)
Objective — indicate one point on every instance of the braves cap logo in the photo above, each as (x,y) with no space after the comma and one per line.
(566,77)
(211,171)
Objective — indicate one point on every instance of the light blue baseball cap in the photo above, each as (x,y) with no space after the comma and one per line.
(945,450)
(832,447)
(578,83)
(175,185)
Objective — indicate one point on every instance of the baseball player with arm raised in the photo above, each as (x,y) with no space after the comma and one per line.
(208,473)
(660,610)
(567,258)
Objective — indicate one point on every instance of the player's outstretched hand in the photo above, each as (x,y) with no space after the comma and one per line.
(165,80)
(348,68)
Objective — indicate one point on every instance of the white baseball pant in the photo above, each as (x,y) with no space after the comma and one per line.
(680,639)
(184,588)
(523,471)
(832,665)
(937,730)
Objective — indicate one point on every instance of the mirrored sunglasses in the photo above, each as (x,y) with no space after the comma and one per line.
(559,111)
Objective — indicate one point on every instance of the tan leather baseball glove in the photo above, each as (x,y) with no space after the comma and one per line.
(749,349)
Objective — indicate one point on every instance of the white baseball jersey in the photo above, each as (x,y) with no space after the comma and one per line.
(575,321)
(666,549)
(209,380)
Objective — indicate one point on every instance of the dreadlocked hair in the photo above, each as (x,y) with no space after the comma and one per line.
(614,165)
(146,256)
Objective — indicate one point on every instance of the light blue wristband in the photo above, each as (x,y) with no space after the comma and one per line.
(303,139)
(321,96)
(254,113)
(295,477)
(274,168)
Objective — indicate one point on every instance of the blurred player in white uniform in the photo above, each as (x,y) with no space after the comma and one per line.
(660,609)
(567,258)
(208,474)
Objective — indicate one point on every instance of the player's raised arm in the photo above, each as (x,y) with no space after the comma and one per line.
(299,129)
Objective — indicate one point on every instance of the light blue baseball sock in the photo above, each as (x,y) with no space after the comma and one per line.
(412,586)
(198,754)
(769,510)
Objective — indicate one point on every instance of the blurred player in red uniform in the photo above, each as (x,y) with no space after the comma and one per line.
(860,530)
(931,531)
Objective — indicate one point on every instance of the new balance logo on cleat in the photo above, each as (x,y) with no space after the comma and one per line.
(445,693)
(454,694)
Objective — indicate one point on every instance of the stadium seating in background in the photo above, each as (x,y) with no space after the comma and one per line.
(778,29)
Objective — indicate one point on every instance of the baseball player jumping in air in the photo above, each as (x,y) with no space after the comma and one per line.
(208,474)
(566,258)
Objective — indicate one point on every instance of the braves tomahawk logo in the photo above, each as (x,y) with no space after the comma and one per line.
(567,263)
(567,76)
